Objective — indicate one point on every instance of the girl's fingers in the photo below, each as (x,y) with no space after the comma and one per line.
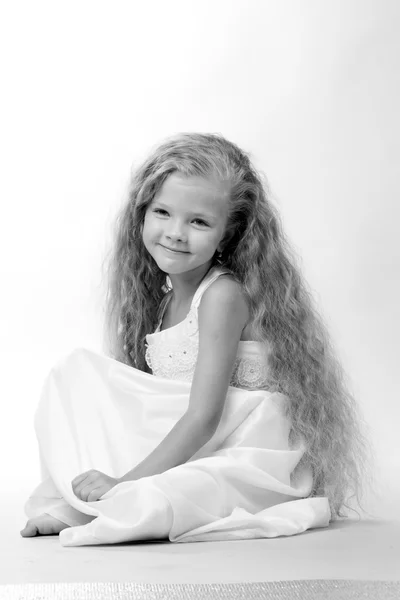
(94,495)
(80,492)
(91,495)
(79,478)
(78,487)
(89,488)
(85,484)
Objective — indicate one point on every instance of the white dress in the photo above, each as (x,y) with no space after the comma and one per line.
(98,413)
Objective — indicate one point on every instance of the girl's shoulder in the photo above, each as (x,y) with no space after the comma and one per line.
(226,283)
(225,291)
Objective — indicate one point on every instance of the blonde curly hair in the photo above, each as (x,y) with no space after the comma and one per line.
(301,360)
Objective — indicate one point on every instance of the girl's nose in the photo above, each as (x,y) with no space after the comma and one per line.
(176,232)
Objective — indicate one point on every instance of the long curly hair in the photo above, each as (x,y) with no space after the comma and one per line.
(301,359)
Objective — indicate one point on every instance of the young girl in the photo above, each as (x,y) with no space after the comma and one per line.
(223,412)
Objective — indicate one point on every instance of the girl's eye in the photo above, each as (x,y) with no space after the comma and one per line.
(161,210)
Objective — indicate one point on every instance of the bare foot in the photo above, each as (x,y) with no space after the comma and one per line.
(43,525)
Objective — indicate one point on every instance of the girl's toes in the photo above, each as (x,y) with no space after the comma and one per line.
(30,529)
(43,525)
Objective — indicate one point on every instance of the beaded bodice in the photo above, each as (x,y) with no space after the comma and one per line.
(172,353)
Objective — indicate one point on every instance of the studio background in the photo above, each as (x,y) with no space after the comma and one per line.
(309,88)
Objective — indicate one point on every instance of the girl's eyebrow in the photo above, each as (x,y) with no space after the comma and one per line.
(194,214)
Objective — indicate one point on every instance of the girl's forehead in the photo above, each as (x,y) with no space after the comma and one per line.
(200,189)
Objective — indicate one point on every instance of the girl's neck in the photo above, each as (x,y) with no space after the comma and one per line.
(185,285)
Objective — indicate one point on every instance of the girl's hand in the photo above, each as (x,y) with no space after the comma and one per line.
(91,485)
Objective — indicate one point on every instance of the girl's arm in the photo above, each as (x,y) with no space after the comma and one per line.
(223,313)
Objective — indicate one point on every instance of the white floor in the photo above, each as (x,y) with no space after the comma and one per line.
(368,549)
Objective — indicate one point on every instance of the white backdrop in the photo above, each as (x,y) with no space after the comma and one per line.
(310,88)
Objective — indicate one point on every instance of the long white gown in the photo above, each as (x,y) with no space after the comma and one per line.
(97,413)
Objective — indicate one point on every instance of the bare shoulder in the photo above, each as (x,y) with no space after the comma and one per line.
(225,295)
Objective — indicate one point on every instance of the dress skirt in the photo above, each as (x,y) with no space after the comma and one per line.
(97,413)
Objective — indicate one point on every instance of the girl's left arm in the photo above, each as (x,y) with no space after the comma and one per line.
(223,313)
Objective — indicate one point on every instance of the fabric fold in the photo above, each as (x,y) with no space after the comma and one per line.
(97,413)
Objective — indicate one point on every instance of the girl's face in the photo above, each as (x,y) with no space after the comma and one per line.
(188,215)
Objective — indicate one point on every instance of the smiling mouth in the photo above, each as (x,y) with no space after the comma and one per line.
(174,251)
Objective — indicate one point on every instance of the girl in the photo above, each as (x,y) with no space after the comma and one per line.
(223,412)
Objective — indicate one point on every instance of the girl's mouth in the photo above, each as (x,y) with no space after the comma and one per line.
(173,251)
